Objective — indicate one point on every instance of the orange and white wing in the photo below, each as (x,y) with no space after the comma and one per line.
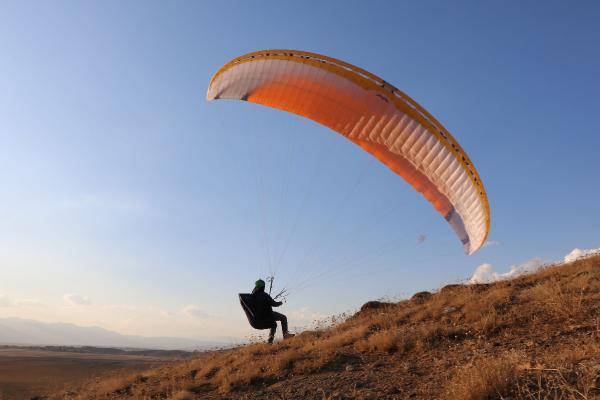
(373,114)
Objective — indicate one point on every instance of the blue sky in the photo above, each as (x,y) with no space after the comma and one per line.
(131,203)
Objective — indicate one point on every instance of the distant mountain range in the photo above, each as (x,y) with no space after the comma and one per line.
(17,331)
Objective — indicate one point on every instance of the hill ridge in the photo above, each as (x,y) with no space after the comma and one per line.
(536,336)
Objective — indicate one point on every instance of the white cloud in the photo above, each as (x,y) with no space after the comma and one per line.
(482,274)
(578,253)
(29,303)
(491,243)
(167,313)
(195,312)
(304,316)
(6,301)
(75,300)
(129,308)
(485,272)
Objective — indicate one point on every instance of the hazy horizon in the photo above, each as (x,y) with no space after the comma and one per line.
(16,331)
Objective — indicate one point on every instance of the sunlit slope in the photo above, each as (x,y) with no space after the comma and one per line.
(534,337)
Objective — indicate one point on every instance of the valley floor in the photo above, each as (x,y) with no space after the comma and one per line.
(26,372)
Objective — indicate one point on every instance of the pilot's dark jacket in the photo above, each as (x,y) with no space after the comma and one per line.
(263,304)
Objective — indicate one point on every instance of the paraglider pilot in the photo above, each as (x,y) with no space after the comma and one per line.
(263,307)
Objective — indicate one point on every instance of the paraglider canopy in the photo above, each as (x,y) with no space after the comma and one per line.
(372,114)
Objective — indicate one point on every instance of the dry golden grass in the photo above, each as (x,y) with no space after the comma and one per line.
(182,395)
(578,381)
(489,378)
(533,337)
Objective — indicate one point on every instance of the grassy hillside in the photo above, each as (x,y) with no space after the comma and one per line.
(533,337)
